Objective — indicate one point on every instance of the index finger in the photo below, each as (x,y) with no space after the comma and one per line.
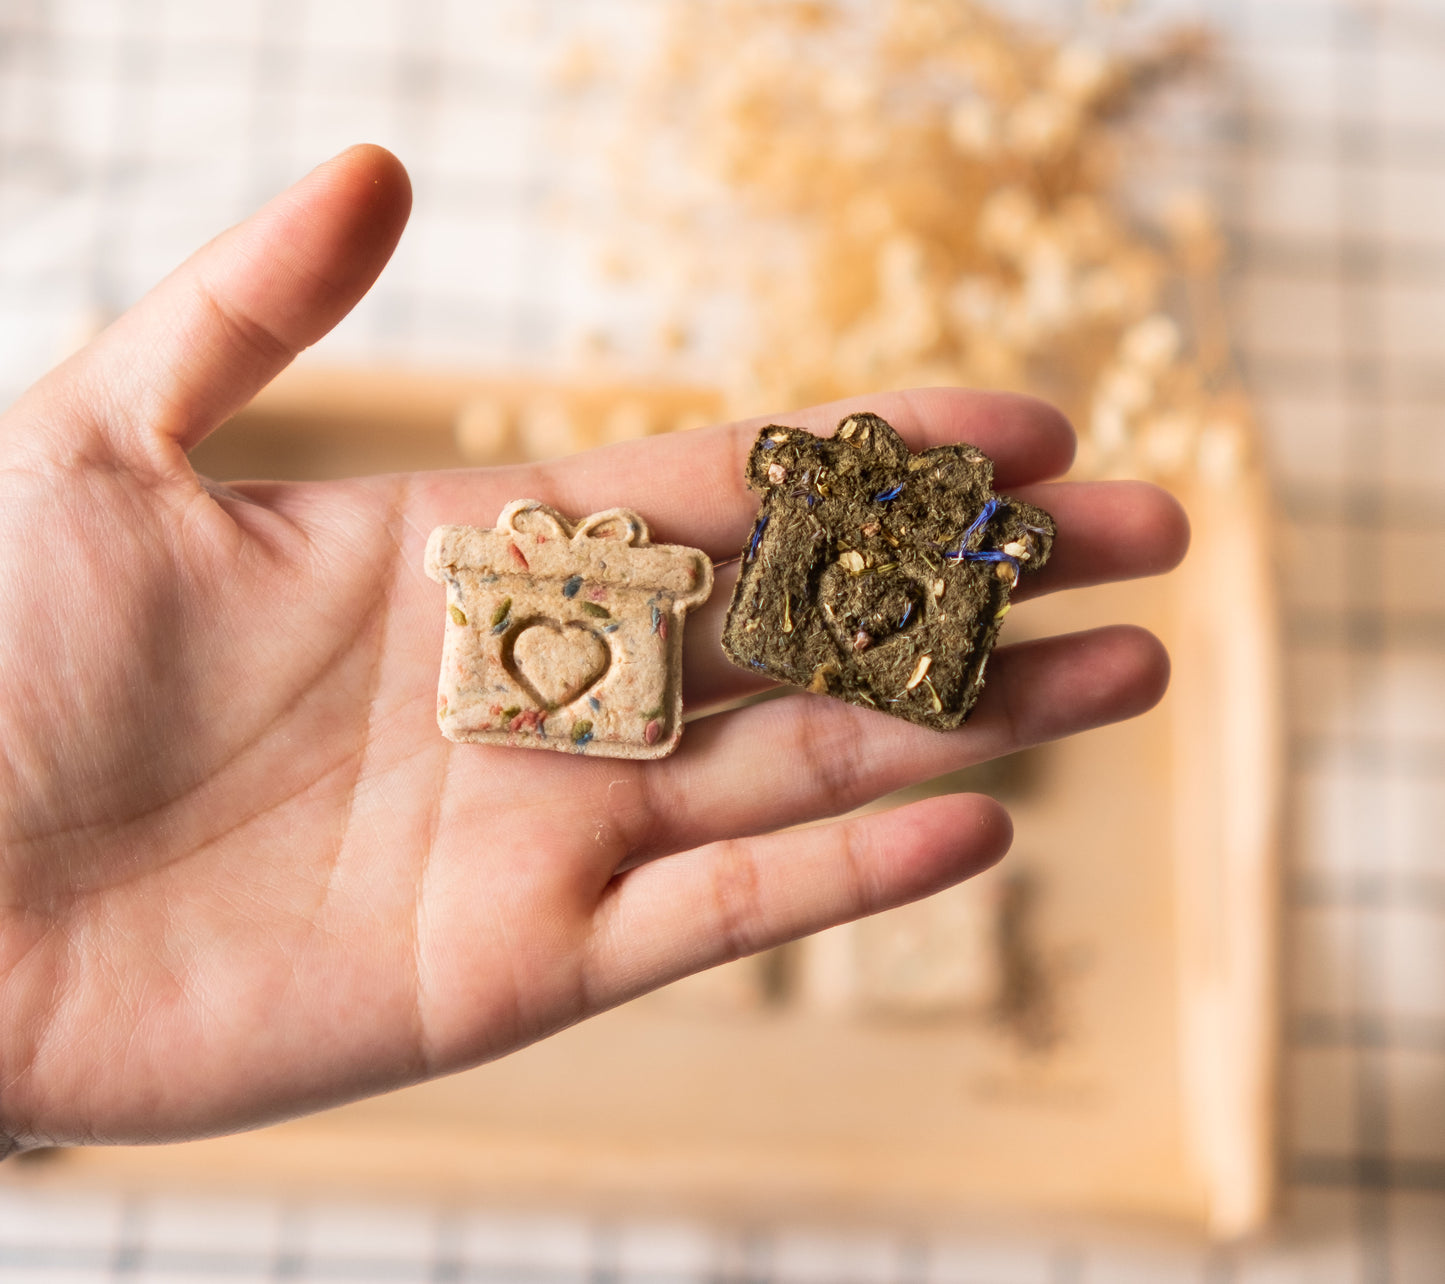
(691,487)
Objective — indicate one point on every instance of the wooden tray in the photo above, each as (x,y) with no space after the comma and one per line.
(1152,850)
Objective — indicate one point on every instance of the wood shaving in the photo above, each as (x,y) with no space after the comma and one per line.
(922,192)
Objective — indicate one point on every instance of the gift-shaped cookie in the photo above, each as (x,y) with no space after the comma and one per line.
(563,636)
(876,575)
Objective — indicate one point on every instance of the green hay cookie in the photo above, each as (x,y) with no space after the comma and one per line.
(876,575)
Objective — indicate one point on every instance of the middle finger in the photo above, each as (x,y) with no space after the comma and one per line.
(787,761)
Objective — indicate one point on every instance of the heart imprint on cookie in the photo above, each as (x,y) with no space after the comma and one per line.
(865,611)
(555,663)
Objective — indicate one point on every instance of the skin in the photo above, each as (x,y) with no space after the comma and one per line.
(243,876)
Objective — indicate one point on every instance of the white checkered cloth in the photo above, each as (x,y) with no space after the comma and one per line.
(131,129)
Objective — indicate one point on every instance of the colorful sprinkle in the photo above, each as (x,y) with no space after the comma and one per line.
(569,589)
(458,615)
(598,610)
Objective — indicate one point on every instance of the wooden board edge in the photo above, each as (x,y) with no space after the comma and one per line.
(1229,773)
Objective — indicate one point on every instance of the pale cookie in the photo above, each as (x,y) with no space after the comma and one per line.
(563,636)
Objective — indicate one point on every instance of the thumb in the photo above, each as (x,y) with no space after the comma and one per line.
(208,338)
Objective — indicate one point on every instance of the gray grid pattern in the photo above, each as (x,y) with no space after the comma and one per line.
(131,129)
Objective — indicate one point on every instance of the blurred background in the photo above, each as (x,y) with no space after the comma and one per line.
(1193,1032)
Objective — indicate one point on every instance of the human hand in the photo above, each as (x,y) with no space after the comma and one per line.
(242,875)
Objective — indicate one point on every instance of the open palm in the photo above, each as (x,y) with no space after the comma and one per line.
(243,875)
